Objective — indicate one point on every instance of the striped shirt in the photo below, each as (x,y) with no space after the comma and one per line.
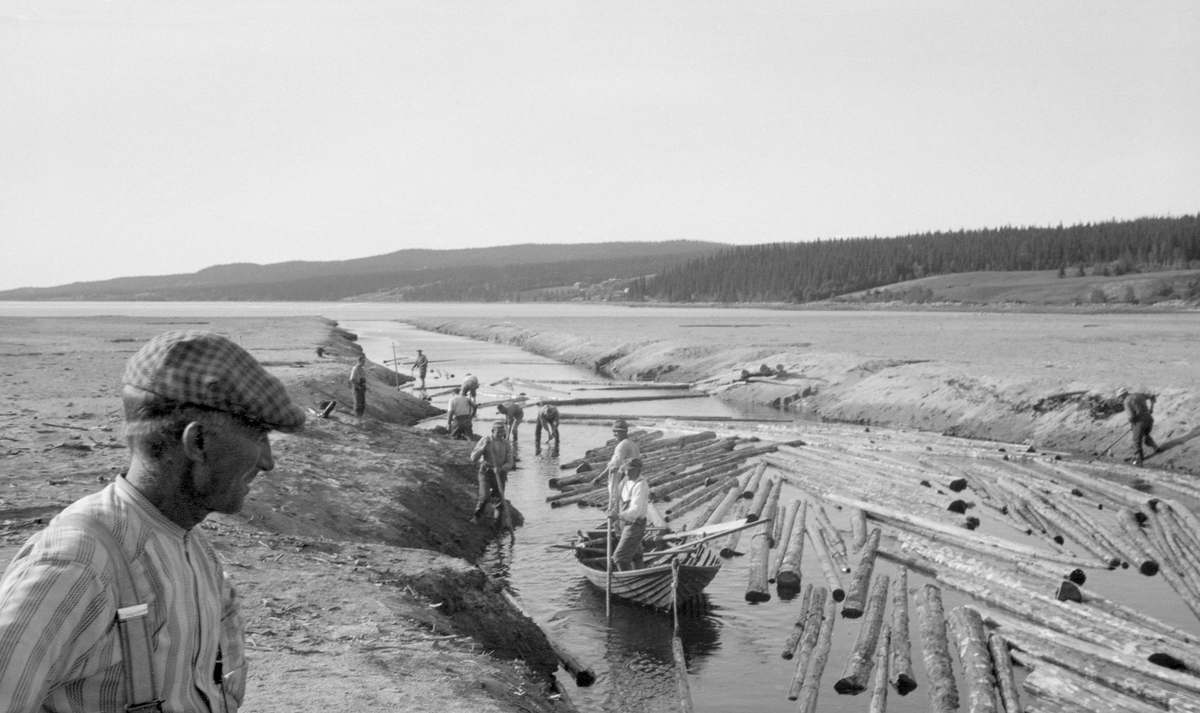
(59,647)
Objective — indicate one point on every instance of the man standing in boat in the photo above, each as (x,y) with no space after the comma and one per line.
(625,451)
(629,513)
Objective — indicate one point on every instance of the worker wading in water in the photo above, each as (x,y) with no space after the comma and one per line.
(494,455)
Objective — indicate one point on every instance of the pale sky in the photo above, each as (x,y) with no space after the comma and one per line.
(141,138)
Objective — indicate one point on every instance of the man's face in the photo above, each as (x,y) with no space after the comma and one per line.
(633,473)
(238,452)
(620,434)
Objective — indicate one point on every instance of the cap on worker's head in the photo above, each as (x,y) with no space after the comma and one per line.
(207,370)
(620,425)
(632,464)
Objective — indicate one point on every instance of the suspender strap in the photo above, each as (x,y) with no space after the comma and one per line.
(132,617)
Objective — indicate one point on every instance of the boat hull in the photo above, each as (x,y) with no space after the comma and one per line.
(651,586)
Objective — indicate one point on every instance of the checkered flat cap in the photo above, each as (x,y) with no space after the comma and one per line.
(209,370)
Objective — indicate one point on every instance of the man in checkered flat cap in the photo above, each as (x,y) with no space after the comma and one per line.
(121,601)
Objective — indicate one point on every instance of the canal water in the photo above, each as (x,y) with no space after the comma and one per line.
(732,650)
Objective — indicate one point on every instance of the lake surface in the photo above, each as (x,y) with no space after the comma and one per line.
(733,651)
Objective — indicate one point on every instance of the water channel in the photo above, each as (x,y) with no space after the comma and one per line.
(733,650)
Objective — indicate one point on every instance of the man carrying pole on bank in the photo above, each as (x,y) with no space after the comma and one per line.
(495,458)
(1140,407)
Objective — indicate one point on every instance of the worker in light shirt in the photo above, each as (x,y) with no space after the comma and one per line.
(630,514)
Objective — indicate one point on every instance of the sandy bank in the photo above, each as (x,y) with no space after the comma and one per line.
(352,556)
(1044,380)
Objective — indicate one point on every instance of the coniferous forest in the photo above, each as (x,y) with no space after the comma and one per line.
(803,272)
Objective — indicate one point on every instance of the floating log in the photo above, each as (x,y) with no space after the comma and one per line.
(827,567)
(583,675)
(1068,691)
(1114,669)
(857,673)
(788,579)
(856,595)
(793,640)
(943,693)
(816,666)
(879,686)
(717,513)
(681,683)
(858,529)
(967,627)
(784,540)
(1130,551)
(1006,680)
(638,386)
(771,512)
(756,589)
(894,516)
(819,607)
(729,549)
(706,496)
(585,401)
(752,483)
(765,487)
(900,657)
(833,538)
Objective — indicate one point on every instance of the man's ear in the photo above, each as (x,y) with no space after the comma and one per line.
(194,442)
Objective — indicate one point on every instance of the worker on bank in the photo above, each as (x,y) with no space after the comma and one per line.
(121,603)
(514,413)
(358,381)
(460,412)
(494,455)
(1140,407)
(422,366)
(625,451)
(470,388)
(547,418)
(629,514)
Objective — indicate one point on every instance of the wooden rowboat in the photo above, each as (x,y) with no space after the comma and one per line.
(651,586)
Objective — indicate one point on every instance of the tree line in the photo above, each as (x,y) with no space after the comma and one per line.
(803,272)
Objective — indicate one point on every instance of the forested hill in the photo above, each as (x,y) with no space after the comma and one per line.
(470,274)
(802,272)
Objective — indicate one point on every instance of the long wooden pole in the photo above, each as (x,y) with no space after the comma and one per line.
(856,596)
(789,646)
(1005,678)
(583,675)
(879,692)
(785,539)
(787,581)
(816,666)
(608,548)
(816,537)
(813,622)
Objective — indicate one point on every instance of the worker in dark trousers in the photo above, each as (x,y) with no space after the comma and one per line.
(1140,407)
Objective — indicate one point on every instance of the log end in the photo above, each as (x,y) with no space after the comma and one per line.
(851,612)
(755,596)
(958,485)
(958,506)
(1068,592)
(1167,661)
(1058,539)
(904,684)
(1113,563)
(839,595)
(1148,568)
(971,523)
(752,517)
(585,678)
(849,686)
(1077,576)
